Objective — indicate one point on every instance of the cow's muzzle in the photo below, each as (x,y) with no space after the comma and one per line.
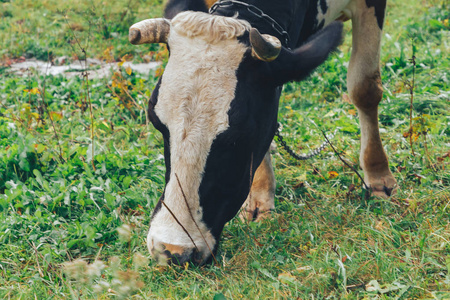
(178,255)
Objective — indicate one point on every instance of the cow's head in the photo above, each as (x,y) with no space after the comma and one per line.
(216,107)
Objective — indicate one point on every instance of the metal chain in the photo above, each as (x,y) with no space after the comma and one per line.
(256,12)
(283,33)
(291,152)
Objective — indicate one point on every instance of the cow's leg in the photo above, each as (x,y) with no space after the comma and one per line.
(260,200)
(364,85)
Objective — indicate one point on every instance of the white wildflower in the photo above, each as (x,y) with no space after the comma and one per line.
(101,286)
(95,269)
(116,282)
(75,269)
(139,260)
(124,232)
(114,263)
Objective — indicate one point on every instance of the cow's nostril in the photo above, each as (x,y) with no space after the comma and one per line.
(197,256)
(176,259)
(178,255)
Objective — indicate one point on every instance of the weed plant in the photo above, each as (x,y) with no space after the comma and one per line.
(81,171)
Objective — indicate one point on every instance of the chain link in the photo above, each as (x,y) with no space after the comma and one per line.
(256,12)
(291,152)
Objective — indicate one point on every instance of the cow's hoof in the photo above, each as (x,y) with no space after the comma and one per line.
(383,187)
(258,206)
(255,214)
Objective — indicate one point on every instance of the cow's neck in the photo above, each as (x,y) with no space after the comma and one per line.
(289,14)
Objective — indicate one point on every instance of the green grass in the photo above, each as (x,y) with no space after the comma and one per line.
(53,28)
(59,201)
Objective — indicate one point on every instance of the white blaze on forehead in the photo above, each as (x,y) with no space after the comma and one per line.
(194,97)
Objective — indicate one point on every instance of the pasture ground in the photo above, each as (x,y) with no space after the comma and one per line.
(80,170)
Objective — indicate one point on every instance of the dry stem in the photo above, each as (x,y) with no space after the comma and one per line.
(192,217)
(346,163)
(44,104)
(85,75)
(181,225)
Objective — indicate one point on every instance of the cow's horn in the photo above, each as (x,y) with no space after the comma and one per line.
(149,31)
(264,47)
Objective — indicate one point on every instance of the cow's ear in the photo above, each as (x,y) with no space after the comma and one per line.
(297,64)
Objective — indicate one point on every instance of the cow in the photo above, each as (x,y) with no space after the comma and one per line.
(216,106)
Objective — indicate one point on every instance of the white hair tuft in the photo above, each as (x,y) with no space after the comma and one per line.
(208,27)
